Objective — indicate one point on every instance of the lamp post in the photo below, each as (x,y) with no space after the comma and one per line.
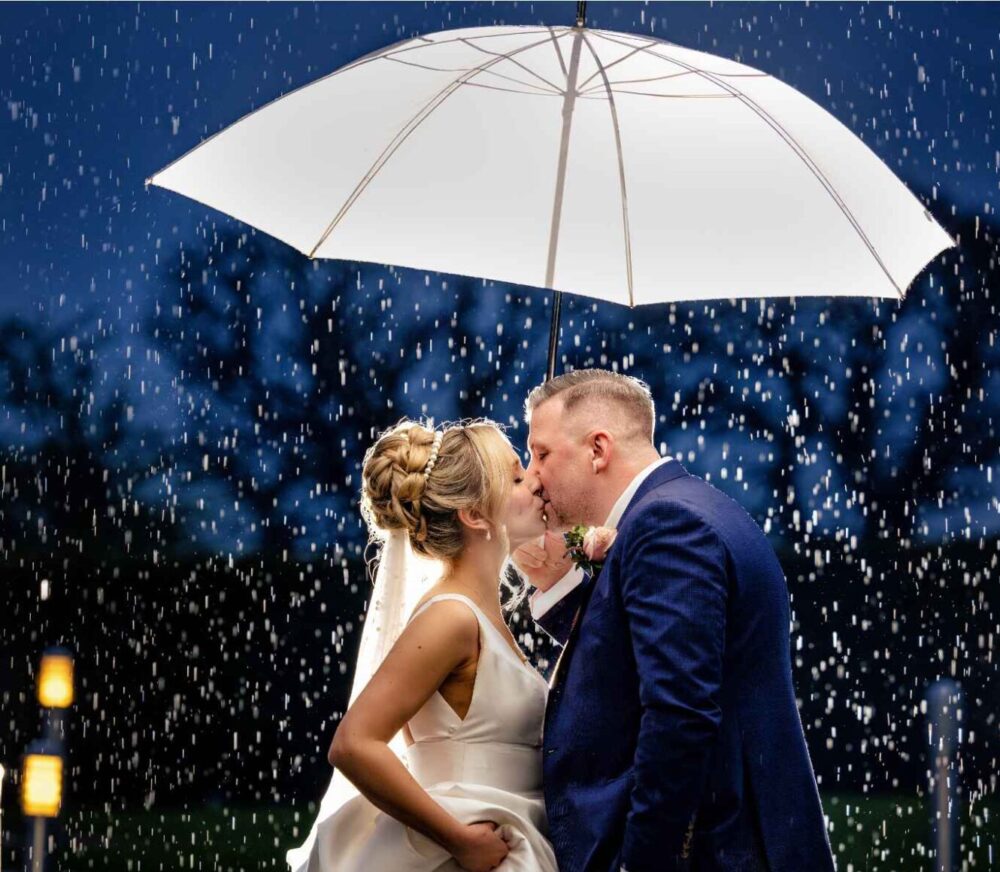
(41,796)
(42,774)
(944,713)
(55,689)
(3,772)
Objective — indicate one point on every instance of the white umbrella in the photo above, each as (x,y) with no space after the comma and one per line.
(606,164)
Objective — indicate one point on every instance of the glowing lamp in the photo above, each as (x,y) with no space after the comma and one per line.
(55,681)
(41,785)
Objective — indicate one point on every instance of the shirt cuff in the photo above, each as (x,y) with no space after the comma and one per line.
(543,600)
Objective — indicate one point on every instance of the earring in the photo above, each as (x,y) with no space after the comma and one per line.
(488,536)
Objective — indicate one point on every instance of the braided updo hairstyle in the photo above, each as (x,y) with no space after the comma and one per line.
(472,471)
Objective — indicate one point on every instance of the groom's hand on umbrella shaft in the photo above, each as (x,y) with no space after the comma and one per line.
(543,565)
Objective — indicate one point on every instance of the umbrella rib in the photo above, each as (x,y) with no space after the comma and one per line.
(524,30)
(555,45)
(592,95)
(464,69)
(595,88)
(610,34)
(553,86)
(538,93)
(405,132)
(633,81)
(604,33)
(569,97)
(593,75)
(427,43)
(775,125)
(621,169)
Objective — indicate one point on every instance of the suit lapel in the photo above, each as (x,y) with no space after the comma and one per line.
(661,475)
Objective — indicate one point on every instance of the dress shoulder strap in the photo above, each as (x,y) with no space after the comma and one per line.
(450,596)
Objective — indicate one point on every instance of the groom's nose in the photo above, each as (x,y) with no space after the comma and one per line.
(534,484)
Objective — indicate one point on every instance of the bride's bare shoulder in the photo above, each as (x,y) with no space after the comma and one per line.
(448,617)
(441,589)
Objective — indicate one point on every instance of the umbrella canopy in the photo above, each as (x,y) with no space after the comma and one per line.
(606,164)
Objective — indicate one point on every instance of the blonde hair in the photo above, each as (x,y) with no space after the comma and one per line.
(472,471)
(628,394)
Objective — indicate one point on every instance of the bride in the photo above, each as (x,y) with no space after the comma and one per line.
(439,669)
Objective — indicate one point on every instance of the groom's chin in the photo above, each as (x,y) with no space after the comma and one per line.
(556,524)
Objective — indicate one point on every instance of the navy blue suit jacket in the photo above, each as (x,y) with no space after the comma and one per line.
(672,740)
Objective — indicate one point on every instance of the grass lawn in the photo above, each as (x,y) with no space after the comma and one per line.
(868,834)
(892,834)
(221,839)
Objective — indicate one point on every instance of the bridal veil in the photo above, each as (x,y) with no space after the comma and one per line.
(401,579)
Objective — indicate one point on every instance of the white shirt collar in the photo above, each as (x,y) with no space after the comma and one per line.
(618,509)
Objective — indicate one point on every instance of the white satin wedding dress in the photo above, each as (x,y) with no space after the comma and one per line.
(487,766)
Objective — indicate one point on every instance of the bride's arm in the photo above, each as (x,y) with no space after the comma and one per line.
(441,639)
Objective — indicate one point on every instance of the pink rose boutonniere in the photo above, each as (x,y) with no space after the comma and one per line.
(588,546)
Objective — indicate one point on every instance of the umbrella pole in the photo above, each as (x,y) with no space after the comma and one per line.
(581,20)
(554,335)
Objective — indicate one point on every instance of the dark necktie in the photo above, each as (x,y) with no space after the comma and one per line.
(586,590)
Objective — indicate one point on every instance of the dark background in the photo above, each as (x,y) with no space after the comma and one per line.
(186,402)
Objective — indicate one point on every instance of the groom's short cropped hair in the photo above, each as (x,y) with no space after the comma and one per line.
(631,396)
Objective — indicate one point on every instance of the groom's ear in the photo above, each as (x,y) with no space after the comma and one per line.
(601,444)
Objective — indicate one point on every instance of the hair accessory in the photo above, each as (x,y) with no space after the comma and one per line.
(434,453)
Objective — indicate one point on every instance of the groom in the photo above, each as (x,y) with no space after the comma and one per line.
(672,740)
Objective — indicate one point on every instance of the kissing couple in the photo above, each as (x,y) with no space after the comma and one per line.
(668,736)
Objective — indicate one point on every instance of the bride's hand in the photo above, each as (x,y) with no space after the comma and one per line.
(480,848)
(543,566)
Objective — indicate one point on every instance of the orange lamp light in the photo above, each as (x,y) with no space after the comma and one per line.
(41,786)
(55,680)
